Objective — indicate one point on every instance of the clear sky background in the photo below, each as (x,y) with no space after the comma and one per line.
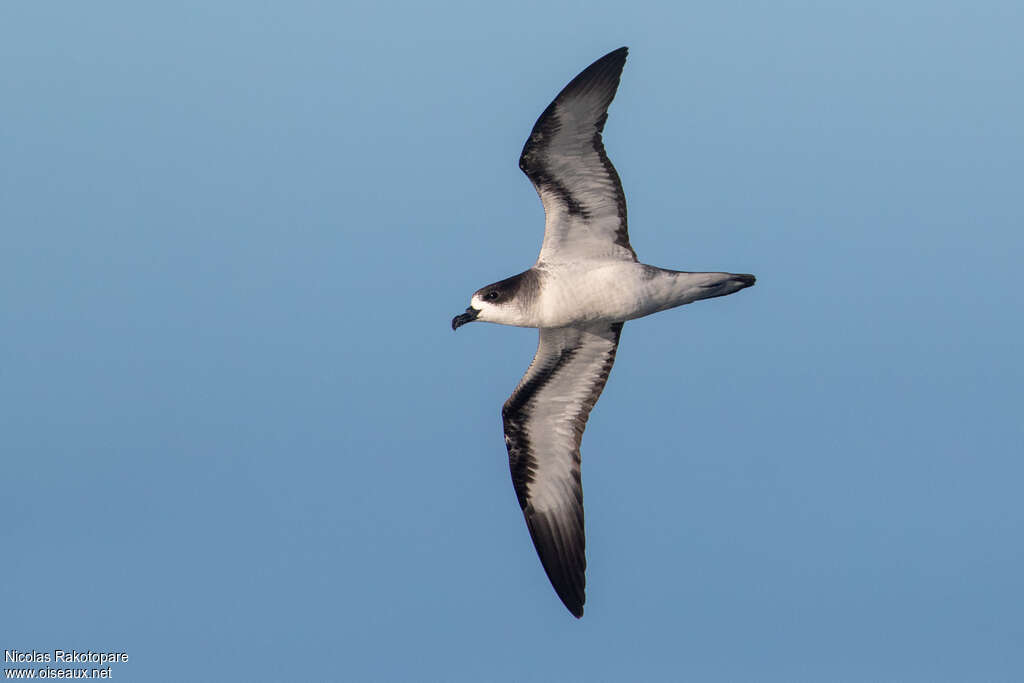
(241,442)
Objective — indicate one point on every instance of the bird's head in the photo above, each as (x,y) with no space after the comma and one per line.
(503,302)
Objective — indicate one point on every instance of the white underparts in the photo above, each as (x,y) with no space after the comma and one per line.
(573,294)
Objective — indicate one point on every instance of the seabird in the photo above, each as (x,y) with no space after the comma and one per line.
(585,284)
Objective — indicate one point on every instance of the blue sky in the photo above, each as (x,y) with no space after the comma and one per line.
(241,442)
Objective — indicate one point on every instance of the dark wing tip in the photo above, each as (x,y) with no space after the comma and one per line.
(601,76)
(603,69)
(616,56)
(561,552)
(604,73)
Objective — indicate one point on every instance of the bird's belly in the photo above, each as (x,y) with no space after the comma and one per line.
(612,293)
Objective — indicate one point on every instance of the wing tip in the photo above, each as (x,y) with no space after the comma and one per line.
(606,68)
(575,608)
(562,555)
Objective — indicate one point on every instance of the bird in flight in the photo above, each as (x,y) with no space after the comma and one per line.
(585,284)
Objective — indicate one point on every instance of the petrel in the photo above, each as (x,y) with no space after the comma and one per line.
(585,284)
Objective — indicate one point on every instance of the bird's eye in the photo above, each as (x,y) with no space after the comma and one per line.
(490,296)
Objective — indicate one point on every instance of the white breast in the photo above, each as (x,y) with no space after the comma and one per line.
(610,292)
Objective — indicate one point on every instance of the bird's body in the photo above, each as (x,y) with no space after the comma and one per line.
(584,292)
(585,284)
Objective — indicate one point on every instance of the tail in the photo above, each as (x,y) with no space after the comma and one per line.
(710,285)
(671,288)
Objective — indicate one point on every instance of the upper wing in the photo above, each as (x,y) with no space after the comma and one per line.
(584,207)
(544,421)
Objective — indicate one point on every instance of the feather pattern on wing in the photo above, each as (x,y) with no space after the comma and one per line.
(544,421)
(564,157)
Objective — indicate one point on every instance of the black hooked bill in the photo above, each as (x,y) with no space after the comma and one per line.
(469,316)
